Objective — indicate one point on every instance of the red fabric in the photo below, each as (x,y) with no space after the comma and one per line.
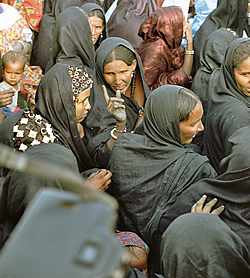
(31,10)
(161,51)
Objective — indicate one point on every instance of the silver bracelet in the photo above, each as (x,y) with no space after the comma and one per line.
(112,134)
(191,52)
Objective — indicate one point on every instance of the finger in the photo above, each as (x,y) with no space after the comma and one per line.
(200,203)
(219,210)
(209,205)
(193,208)
(105,93)
(118,93)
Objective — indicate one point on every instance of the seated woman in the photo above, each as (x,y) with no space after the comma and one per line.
(152,167)
(127,17)
(119,68)
(229,107)
(97,22)
(163,57)
(202,245)
(42,45)
(228,14)
(61,105)
(230,188)
(72,40)
(211,57)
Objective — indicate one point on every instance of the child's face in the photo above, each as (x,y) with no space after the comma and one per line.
(13,73)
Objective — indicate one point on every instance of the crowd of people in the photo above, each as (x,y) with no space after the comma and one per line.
(151,105)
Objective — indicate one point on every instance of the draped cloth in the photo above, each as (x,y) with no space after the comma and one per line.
(211,57)
(228,14)
(54,101)
(152,168)
(99,122)
(88,7)
(161,51)
(201,245)
(228,111)
(19,188)
(231,188)
(42,45)
(72,41)
(127,18)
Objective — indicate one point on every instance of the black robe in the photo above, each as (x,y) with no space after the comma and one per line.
(228,109)
(99,122)
(153,168)
(228,14)
(72,42)
(19,188)
(54,102)
(42,45)
(231,188)
(201,245)
(211,57)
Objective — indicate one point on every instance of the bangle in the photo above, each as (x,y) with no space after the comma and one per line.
(191,52)
(22,43)
(112,134)
(119,131)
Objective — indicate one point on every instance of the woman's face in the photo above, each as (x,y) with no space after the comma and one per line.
(190,127)
(118,75)
(242,77)
(82,105)
(96,27)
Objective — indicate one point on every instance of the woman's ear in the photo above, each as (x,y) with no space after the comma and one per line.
(134,64)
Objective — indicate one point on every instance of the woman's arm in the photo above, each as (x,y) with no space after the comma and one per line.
(188,60)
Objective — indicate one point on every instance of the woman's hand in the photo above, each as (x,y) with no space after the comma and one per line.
(188,32)
(198,206)
(99,180)
(115,105)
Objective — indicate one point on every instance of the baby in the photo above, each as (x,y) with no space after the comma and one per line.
(13,64)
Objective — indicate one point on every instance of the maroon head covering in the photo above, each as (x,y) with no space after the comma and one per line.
(161,50)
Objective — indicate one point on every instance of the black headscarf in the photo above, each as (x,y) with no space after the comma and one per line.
(89,7)
(99,122)
(127,18)
(42,45)
(228,110)
(152,168)
(19,188)
(228,14)
(211,57)
(72,42)
(201,245)
(54,101)
(231,188)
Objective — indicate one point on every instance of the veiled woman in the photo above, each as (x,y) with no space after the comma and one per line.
(229,107)
(126,19)
(211,57)
(231,188)
(56,101)
(152,167)
(97,22)
(72,42)
(42,45)
(118,67)
(163,57)
(228,14)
